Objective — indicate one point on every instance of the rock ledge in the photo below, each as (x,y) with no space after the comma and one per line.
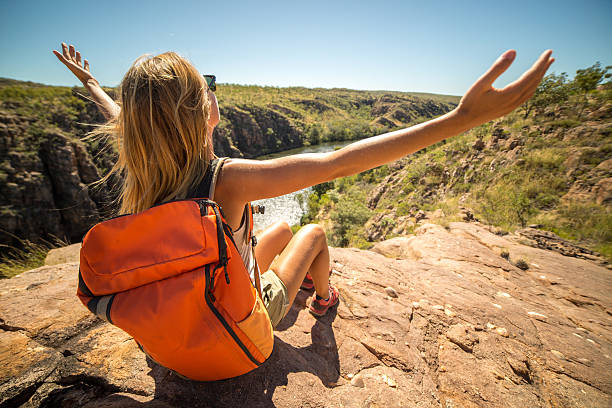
(461,327)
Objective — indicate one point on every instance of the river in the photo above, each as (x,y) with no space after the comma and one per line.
(288,207)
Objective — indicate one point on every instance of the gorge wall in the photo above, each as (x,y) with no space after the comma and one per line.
(46,169)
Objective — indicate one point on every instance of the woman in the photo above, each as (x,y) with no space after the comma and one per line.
(164,130)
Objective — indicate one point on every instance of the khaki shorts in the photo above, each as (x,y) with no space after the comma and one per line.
(275,296)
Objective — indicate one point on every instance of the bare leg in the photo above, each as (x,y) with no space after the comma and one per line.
(271,243)
(307,251)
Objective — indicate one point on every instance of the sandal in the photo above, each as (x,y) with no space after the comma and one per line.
(318,307)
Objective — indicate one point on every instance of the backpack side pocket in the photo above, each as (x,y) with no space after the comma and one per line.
(258,329)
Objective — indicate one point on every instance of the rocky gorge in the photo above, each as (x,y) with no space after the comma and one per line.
(442,318)
(47,165)
(552,170)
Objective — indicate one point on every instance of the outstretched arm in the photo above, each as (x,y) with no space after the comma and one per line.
(249,180)
(72,59)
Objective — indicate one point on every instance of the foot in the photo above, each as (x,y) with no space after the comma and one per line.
(308,284)
(319,307)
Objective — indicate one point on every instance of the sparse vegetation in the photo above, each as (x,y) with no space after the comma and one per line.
(521,174)
(29,256)
(521,264)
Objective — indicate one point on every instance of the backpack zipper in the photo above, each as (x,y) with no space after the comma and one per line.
(222,229)
(210,302)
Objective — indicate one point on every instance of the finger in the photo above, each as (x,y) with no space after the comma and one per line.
(528,93)
(524,88)
(531,77)
(72,52)
(498,68)
(86,65)
(59,56)
(539,67)
(65,51)
(78,58)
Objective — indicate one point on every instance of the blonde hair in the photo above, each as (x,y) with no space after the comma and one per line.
(161,131)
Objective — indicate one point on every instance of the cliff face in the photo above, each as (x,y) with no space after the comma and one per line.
(254,131)
(44,184)
(46,170)
(443,318)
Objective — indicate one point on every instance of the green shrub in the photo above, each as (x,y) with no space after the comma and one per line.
(375,175)
(605,249)
(403,208)
(415,172)
(505,205)
(582,221)
(322,188)
(546,160)
(565,123)
(408,188)
(349,215)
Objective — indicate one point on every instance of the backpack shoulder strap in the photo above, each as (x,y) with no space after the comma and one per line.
(206,188)
(252,243)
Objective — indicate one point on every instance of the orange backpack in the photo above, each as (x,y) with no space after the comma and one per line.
(172,278)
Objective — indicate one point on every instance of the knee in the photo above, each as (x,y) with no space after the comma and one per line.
(283,230)
(315,232)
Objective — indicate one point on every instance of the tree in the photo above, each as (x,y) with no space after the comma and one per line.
(553,89)
(586,80)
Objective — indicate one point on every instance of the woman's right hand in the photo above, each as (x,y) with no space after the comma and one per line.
(482,102)
(71,58)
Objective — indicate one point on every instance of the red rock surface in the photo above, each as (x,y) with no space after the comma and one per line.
(467,329)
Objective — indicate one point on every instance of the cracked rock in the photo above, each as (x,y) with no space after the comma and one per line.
(461,336)
(53,352)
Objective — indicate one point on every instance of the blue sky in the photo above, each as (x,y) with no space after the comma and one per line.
(428,46)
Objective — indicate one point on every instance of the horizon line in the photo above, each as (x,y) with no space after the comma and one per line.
(256,85)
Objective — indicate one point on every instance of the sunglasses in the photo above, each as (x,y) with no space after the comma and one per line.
(210,81)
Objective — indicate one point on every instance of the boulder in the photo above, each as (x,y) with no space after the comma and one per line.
(467,329)
(396,248)
(513,143)
(603,191)
(420,215)
(63,255)
(478,144)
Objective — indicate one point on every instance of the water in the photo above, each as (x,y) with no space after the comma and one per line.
(288,207)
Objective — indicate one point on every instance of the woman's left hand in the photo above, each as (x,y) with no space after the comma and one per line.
(483,103)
